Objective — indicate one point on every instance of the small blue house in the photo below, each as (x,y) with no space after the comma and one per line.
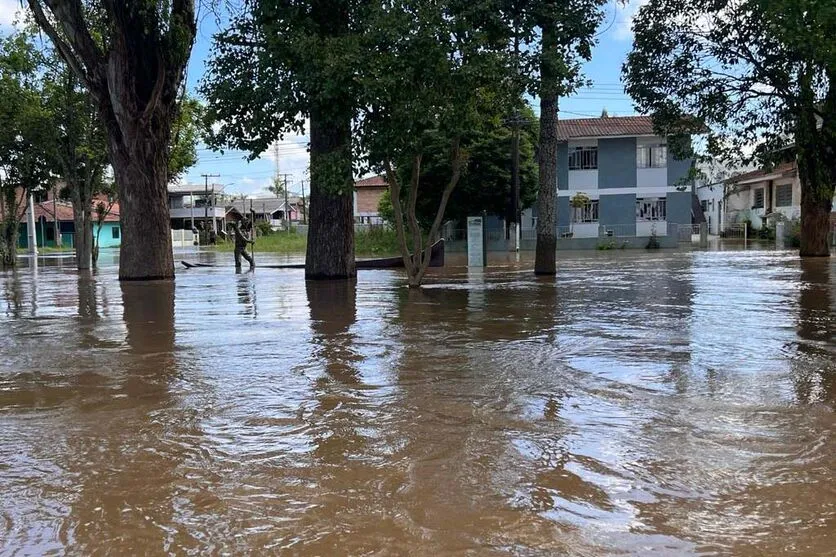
(45,227)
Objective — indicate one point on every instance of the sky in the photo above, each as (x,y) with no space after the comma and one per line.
(238,176)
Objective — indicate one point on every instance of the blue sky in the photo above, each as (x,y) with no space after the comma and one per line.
(239,176)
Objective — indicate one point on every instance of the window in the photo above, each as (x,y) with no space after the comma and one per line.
(704,205)
(50,234)
(783,195)
(651,209)
(652,156)
(115,231)
(758,199)
(587,213)
(583,158)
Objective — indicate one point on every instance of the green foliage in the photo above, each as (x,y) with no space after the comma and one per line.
(486,182)
(25,134)
(263,228)
(385,209)
(375,241)
(187,129)
(751,72)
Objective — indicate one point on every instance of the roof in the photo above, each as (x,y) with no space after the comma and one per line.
(262,204)
(196,189)
(763,174)
(65,211)
(372,182)
(613,126)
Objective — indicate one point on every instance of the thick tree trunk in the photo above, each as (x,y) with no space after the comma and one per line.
(545,258)
(330,252)
(141,173)
(815,222)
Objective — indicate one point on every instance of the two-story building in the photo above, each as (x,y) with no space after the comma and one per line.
(617,179)
(190,205)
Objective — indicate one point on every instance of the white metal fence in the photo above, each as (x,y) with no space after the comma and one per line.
(182,238)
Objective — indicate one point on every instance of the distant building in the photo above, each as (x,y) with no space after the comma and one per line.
(634,186)
(45,229)
(272,210)
(763,196)
(367,195)
(192,204)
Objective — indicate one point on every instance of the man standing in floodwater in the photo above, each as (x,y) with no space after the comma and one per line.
(243,236)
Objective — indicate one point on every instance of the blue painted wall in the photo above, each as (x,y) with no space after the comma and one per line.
(677,170)
(617,163)
(679,207)
(111,236)
(618,210)
(563,166)
(563,212)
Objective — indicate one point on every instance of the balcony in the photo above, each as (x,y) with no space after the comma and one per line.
(197,212)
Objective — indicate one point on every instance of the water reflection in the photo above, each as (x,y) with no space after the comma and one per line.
(337,417)
(674,403)
(114,458)
(814,374)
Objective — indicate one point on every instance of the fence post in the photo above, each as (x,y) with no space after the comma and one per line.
(745,234)
(703,235)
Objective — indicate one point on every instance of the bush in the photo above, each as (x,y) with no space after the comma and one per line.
(263,228)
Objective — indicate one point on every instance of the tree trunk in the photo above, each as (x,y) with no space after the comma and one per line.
(83,223)
(8,249)
(330,252)
(545,259)
(814,173)
(141,174)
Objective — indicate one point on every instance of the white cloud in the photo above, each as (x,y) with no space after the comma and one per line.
(9,12)
(626,15)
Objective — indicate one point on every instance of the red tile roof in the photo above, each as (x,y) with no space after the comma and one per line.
(783,168)
(613,126)
(371,182)
(65,211)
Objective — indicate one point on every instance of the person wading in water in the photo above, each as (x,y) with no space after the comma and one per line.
(243,236)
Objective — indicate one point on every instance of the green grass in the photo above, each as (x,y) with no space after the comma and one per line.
(47,249)
(380,241)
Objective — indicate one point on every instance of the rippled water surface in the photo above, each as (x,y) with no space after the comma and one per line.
(674,403)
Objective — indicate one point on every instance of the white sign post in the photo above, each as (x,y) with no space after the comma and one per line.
(476,254)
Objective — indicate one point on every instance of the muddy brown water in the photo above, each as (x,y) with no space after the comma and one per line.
(671,403)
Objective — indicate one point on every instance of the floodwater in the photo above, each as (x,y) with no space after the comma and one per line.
(673,403)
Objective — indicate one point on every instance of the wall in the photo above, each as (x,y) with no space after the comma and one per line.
(106,239)
(617,163)
(368,200)
(618,211)
(679,207)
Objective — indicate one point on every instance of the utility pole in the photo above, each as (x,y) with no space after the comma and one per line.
(304,203)
(283,178)
(33,234)
(206,203)
(515,122)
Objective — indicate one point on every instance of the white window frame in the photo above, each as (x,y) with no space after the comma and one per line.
(583,157)
(652,156)
(587,214)
(651,209)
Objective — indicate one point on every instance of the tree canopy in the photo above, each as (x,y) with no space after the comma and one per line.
(756,75)
(486,182)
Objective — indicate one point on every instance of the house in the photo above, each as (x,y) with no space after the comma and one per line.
(45,228)
(189,205)
(267,209)
(764,196)
(632,186)
(367,194)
